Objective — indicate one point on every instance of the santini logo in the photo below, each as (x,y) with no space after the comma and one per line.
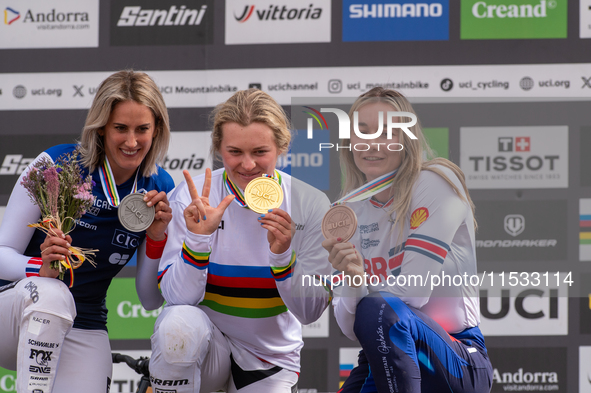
(181,16)
(395,10)
(10,16)
(275,12)
(482,10)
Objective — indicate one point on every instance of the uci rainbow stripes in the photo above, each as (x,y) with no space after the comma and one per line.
(109,186)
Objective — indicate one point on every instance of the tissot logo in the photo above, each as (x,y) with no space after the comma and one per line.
(515,157)
(266,22)
(150,22)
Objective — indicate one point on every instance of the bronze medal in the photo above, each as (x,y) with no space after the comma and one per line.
(339,221)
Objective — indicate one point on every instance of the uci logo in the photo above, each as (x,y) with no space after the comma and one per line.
(125,240)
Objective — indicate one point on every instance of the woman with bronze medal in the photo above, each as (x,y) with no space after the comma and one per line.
(55,336)
(232,269)
(412,219)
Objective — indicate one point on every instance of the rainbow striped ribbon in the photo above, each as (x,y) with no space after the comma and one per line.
(237,192)
(368,190)
(109,186)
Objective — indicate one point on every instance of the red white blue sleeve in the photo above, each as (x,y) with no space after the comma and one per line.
(15,235)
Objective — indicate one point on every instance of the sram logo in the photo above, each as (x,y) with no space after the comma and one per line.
(14,164)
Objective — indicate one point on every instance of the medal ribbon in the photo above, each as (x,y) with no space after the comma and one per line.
(233,189)
(368,190)
(108,183)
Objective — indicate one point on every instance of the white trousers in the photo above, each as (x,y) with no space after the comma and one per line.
(36,317)
(190,354)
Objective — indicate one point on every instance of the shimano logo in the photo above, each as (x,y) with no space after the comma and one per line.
(174,16)
(411,10)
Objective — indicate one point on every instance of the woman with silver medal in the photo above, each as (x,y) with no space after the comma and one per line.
(232,268)
(415,219)
(55,337)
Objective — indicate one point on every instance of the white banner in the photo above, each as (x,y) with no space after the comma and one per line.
(204,89)
(49,24)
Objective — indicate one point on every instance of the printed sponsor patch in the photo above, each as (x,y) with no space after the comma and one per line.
(418,217)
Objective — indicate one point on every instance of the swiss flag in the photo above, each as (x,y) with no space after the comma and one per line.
(522,143)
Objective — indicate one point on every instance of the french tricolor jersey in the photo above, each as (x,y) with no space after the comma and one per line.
(256,298)
(438,240)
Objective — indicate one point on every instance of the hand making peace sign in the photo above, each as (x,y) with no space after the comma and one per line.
(202,218)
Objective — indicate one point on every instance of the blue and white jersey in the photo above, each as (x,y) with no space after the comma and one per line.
(98,229)
(437,240)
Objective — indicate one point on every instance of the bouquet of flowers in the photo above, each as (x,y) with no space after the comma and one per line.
(63,196)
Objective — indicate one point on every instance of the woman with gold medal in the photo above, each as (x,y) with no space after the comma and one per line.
(415,220)
(232,269)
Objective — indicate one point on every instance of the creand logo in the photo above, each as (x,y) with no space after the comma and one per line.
(276,12)
(483,10)
(345,128)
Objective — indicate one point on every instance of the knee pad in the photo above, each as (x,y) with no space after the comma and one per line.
(48,295)
(183,334)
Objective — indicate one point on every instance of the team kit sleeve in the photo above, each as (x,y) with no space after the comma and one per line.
(299,270)
(15,235)
(436,214)
(182,273)
(148,257)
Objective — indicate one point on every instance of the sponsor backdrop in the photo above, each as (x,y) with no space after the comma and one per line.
(502,88)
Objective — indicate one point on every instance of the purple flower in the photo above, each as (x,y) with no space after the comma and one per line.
(53,189)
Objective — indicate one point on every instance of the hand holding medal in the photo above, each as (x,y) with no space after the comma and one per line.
(264,195)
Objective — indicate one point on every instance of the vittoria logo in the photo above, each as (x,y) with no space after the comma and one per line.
(267,22)
(275,12)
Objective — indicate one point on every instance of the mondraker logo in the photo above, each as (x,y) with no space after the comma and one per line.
(10,16)
(275,12)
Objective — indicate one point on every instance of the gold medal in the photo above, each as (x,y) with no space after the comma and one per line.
(262,194)
(339,221)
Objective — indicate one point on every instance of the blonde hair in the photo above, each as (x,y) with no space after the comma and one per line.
(124,86)
(251,106)
(416,157)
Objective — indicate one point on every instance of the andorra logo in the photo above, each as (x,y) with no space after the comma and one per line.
(11,16)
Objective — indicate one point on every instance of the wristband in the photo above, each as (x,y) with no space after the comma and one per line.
(154,249)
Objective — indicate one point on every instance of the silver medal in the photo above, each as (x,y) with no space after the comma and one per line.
(134,214)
